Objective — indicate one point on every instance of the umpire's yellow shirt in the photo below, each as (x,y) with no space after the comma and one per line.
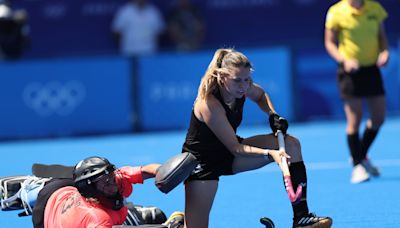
(358,30)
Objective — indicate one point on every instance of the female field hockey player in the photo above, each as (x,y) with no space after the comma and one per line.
(211,137)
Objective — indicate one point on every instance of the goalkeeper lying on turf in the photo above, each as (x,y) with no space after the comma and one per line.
(95,195)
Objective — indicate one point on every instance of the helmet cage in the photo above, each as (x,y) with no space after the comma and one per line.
(87,175)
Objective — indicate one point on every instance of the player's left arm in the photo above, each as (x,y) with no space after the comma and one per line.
(261,98)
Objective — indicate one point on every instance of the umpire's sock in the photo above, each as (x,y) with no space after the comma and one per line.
(367,139)
(353,141)
(299,176)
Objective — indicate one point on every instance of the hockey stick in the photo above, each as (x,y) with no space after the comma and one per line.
(293,197)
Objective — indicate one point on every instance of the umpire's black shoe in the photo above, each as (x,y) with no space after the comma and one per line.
(312,221)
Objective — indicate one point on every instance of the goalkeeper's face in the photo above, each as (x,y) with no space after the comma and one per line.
(107,185)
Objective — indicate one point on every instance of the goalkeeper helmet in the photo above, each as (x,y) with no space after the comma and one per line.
(94,177)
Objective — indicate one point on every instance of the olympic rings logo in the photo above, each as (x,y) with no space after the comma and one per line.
(54,98)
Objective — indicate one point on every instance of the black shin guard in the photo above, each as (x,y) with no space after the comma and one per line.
(353,141)
(299,176)
(367,139)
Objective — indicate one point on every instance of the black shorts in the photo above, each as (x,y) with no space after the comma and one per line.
(213,164)
(365,82)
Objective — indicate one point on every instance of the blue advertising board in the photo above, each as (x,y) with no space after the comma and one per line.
(168,86)
(64,97)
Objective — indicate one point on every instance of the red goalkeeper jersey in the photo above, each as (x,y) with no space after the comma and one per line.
(66,208)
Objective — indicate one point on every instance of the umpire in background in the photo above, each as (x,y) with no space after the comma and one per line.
(355,38)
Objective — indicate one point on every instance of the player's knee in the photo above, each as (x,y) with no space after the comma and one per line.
(293,148)
(293,143)
(352,129)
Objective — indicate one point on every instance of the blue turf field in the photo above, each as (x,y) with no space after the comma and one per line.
(244,198)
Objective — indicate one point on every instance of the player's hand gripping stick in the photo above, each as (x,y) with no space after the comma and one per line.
(293,197)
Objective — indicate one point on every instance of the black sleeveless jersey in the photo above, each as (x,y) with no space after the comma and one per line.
(204,144)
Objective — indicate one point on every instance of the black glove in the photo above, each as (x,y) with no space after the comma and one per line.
(276,122)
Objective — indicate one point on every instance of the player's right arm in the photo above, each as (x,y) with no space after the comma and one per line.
(211,112)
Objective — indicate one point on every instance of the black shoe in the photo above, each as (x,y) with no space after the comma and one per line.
(312,221)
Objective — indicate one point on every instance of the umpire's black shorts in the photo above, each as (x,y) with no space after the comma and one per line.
(365,82)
